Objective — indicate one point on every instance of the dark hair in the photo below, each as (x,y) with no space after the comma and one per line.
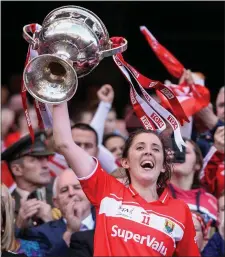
(199,160)
(86,127)
(164,177)
(111,135)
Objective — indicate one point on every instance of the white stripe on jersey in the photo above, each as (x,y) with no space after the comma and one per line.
(113,208)
(193,207)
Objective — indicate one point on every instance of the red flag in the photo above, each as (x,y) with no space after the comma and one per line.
(173,66)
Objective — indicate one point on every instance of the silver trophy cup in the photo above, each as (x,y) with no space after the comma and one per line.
(70,44)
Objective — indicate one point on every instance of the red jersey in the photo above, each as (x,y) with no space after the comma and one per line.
(127,225)
(197,200)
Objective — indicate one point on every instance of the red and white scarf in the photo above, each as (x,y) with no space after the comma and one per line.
(42,110)
(150,113)
(192,97)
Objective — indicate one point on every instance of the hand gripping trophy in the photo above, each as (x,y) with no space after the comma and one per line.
(70,43)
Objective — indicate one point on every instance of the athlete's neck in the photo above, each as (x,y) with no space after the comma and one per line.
(183,182)
(149,193)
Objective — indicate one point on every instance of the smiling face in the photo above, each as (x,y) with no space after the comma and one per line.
(145,159)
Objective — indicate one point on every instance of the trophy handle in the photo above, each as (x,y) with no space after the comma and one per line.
(28,38)
(114,50)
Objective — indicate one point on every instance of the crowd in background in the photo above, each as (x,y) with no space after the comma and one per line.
(38,220)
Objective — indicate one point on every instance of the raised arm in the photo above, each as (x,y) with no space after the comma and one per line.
(79,161)
(105,95)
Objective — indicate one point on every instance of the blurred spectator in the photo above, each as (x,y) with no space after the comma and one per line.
(77,215)
(15,103)
(211,121)
(216,245)
(121,127)
(86,137)
(7,121)
(110,123)
(221,213)
(21,126)
(28,166)
(115,144)
(8,241)
(185,184)
(220,104)
(84,115)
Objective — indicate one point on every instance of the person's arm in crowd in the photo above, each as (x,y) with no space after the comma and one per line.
(30,208)
(49,236)
(54,237)
(211,121)
(219,139)
(73,220)
(80,161)
(106,96)
(105,157)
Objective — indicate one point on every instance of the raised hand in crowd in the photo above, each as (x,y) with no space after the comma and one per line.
(73,217)
(106,93)
(219,139)
(208,117)
(32,208)
(187,76)
(28,208)
(44,211)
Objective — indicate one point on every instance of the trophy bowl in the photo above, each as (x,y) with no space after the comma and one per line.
(70,43)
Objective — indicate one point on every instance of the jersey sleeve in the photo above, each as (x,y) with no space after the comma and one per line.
(188,245)
(98,184)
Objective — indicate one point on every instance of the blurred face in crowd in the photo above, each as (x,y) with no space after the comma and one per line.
(32,170)
(115,145)
(221,215)
(86,140)
(86,117)
(190,165)
(145,159)
(15,102)
(8,117)
(68,189)
(110,123)
(220,101)
(199,233)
